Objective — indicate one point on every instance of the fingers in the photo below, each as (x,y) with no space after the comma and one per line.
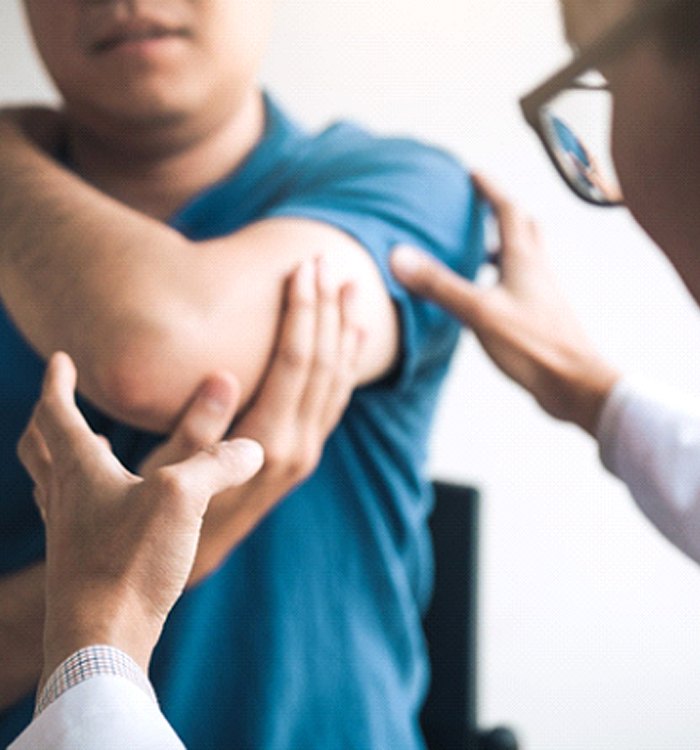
(212,470)
(427,277)
(286,379)
(343,374)
(324,350)
(489,190)
(519,233)
(311,375)
(35,456)
(206,420)
(65,432)
(314,368)
(57,435)
(210,414)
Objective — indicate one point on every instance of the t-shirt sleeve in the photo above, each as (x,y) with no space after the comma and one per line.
(386,192)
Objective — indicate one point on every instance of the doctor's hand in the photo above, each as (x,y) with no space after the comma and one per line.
(119,548)
(308,383)
(524,322)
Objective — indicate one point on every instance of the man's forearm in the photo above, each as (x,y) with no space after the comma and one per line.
(145,313)
(117,290)
(61,288)
(21,633)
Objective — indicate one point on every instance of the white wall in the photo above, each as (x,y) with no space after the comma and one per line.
(590,619)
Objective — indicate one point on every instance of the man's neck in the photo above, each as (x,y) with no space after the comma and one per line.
(158,175)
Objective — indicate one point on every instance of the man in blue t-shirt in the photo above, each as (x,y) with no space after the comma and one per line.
(163,261)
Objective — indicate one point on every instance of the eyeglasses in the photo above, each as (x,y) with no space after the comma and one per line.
(571,111)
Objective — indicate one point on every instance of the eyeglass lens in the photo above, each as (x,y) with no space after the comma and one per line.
(576,126)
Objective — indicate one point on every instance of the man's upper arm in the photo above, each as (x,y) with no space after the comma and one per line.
(219,303)
(226,314)
(397,191)
(147,313)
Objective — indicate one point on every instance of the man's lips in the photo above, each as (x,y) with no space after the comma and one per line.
(134,32)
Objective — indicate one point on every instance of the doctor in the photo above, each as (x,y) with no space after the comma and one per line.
(648,60)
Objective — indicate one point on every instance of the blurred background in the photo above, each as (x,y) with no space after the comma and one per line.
(589,632)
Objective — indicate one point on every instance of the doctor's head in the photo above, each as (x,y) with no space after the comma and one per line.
(636,84)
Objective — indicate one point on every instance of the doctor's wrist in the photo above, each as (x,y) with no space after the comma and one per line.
(112,621)
(579,390)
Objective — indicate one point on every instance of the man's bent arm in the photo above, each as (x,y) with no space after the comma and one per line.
(21,632)
(146,313)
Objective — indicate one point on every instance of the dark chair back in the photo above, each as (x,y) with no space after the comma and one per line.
(449,717)
(449,714)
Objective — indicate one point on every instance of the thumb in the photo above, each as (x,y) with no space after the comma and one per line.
(427,277)
(205,420)
(226,464)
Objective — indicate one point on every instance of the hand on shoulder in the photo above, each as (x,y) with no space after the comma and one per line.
(524,322)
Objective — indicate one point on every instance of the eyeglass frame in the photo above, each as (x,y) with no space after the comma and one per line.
(622,33)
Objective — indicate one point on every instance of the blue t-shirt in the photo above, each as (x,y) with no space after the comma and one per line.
(309,636)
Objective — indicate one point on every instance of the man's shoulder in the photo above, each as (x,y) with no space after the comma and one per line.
(348,149)
(401,179)
(343,164)
(381,189)
(345,150)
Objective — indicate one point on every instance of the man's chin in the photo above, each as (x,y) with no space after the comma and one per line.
(137,113)
(145,132)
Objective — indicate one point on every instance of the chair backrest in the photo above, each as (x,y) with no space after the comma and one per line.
(449,716)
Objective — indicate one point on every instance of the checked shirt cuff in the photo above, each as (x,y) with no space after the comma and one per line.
(89,662)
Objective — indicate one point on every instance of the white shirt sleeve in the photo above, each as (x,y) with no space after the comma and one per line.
(650,439)
(98,699)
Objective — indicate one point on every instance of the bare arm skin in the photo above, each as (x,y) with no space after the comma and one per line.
(524,323)
(21,627)
(144,312)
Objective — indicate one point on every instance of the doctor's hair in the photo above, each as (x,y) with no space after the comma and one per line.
(678,28)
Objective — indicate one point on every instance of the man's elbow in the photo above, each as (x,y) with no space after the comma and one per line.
(147,379)
(140,383)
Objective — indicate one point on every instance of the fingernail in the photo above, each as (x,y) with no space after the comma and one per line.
(326,282)
(216,395)
(248,450)
(405,261)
